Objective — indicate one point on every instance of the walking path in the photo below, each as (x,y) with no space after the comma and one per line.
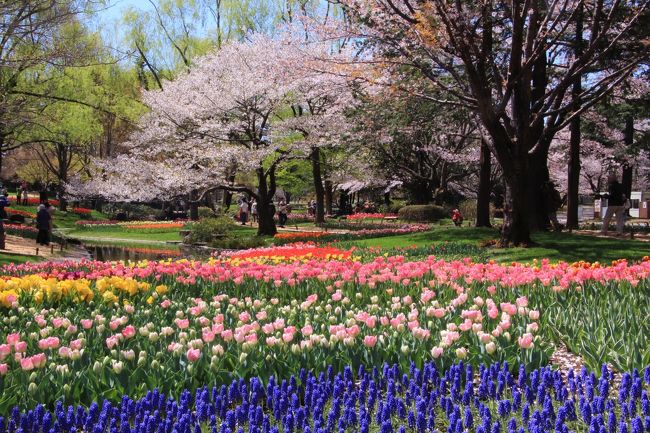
(29,248)
(643,237)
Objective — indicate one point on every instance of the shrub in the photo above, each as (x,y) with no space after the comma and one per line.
(422,213)
(468,209)
(206,230)
(205,212)
(393,207)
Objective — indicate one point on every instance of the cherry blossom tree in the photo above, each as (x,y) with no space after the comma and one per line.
(507,62)
(232,110)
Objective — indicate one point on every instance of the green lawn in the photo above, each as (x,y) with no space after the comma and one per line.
(106,235)
(6,258)
(554,246)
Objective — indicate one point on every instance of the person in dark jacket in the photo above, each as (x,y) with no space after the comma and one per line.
(43,219)
(3,203)
(615,205)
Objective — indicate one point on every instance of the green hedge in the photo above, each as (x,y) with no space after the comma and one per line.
(422,213)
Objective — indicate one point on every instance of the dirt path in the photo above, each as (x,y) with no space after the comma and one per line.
(643,237)
(28,247)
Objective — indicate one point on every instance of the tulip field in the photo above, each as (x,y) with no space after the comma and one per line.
(317,339)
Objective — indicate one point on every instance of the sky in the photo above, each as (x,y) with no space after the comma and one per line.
(116,7)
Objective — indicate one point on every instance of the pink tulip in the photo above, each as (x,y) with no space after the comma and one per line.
(86,323)
(128,332)
(522,301)
(21,346)
(436,352)
(112,341)
(3,369)
(182,323)
(370,340)
(193,355)
(307,330)
(27,364)
(76,344)
(13,338)
(533,315)
(64,352)
(166,303)
(5,350)
(525,341)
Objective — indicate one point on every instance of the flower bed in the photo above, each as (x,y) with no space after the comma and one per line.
(83,212)
(88,329)
(288,237)
(377,398)
(300,252)
(24,213)
(34,201)
(367,216)
(132,225)
(21,230)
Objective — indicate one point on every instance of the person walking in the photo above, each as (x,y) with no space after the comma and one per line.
(282,213)
(19,194)
(615,205)
(254,211)
(4,202)
(243,211)
(43,220)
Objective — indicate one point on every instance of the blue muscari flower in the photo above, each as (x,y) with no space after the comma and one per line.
(512,426)
(623,427)
(637,425)
(411,419)
(387,427)
(525,413)
(496,427)
(469,419)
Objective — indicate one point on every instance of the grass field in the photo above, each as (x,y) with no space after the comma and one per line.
(6,258)
(554,246)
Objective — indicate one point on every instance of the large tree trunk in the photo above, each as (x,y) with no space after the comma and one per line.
(535,176)
(574,142)
(329,196)
(318,185)
(626,179)
(227,195)
(63,203)
(483,199)
(194,205)
(516,228)
(266,226)
(573,186)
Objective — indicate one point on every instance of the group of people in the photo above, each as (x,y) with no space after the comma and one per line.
(248,209)
(44,213)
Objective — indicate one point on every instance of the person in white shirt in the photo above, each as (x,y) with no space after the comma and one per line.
(243,212)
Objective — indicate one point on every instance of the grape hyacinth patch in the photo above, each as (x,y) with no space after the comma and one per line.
(490,399)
